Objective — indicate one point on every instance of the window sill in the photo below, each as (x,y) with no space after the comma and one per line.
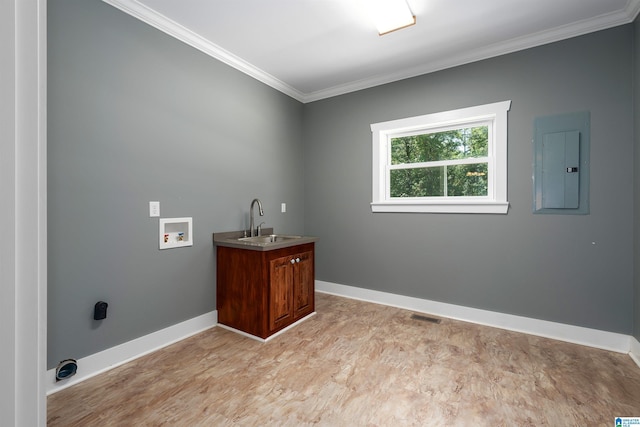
(486,207)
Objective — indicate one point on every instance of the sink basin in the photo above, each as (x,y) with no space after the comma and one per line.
(267,242)
(270,238)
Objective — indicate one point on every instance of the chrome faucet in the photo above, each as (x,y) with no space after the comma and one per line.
(260,211)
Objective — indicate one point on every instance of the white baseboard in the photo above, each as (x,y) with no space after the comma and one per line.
(634,352)
(115,356)
(108,359)
(575,334)
(270,337)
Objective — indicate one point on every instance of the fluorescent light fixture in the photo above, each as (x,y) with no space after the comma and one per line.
(391,15)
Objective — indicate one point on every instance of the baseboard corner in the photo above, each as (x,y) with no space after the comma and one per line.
(634,350)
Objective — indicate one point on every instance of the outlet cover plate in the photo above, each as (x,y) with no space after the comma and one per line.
(154,209)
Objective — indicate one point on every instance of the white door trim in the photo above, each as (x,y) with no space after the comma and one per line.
(23,191)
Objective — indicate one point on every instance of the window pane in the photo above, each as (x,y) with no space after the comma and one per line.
(424,182)
(448,145)
(461,180)
(467,180)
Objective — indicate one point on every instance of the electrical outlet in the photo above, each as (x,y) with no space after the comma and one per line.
(154,209)
(283,207)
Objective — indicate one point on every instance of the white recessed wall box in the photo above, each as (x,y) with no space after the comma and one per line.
(176,232)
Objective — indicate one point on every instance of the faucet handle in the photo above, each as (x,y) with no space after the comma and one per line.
(259,229)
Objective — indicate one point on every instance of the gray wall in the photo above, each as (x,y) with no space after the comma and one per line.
(636,83)
(539,266)
(134,116)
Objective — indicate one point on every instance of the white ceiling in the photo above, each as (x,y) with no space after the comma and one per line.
(314,49)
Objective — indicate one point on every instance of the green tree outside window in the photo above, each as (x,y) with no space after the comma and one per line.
(440,164)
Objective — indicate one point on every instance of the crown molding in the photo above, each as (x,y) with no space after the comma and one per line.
(601,22)
(172,28)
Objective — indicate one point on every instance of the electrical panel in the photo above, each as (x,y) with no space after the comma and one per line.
(561,164)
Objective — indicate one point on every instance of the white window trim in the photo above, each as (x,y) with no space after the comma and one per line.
(496,201)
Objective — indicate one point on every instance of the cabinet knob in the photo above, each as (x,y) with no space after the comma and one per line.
(293,261)
(297,259)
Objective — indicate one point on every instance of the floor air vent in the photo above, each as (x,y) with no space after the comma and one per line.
(425,318)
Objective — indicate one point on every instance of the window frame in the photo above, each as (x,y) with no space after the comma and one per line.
(494,115)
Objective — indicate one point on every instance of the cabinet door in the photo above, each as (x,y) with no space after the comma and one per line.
(280,292)
(303,285)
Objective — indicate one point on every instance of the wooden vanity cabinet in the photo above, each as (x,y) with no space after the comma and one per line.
(262,292)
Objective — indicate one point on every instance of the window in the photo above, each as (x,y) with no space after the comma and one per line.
(453,161)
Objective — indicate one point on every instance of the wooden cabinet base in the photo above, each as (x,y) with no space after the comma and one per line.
(270,337)
(263,292)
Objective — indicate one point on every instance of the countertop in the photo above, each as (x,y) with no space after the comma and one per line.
(230,239)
